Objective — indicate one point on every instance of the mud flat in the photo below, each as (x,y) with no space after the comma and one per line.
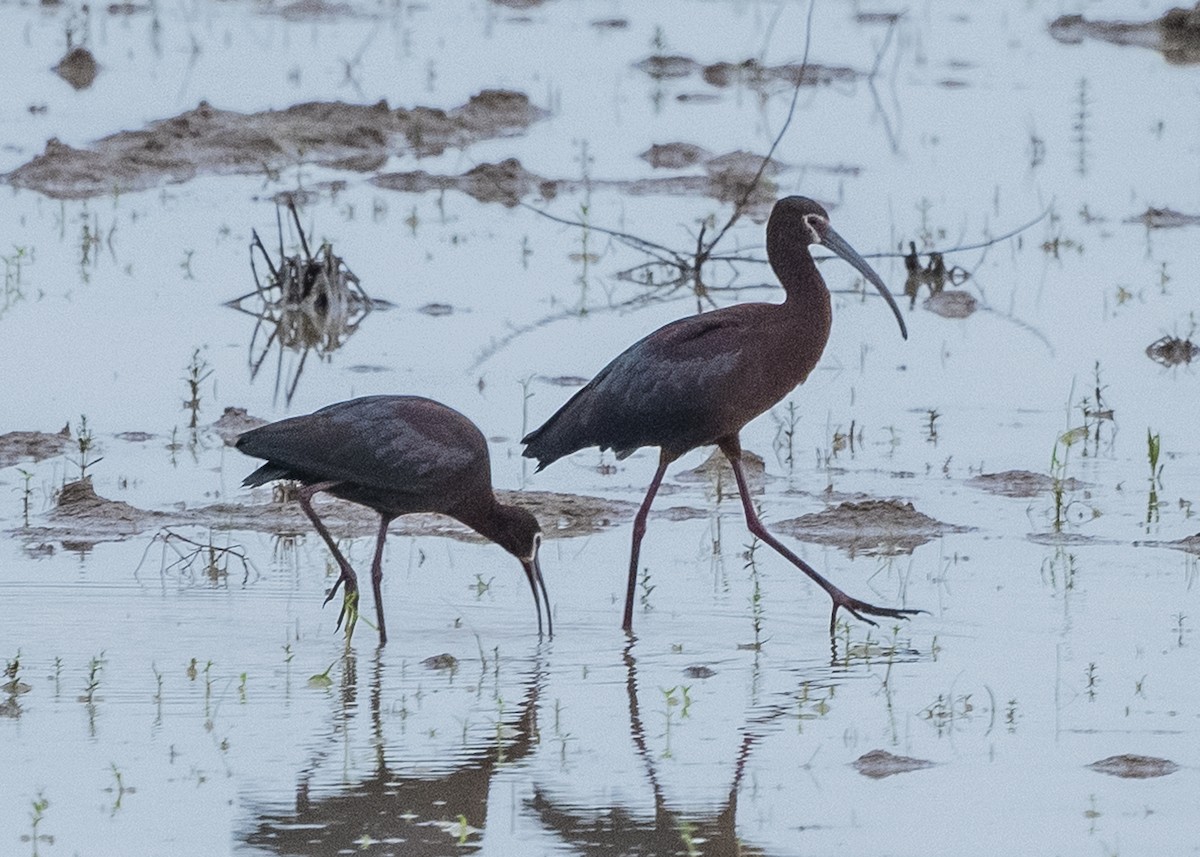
(333,134)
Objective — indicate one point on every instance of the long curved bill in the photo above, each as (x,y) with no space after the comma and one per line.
(533,572)
(838,245)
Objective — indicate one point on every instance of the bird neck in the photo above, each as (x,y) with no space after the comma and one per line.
(489,520)
(797,272)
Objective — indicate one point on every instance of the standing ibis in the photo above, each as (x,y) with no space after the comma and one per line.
(396,455)
(699,380)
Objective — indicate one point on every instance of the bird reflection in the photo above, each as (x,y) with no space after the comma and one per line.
(437,808)
(616,830)
(307,304)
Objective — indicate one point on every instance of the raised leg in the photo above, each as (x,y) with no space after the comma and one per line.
(733,451)
(639,530)
(377,576)
(347,576)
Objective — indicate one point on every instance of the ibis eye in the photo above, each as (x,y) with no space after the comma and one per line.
(816,226)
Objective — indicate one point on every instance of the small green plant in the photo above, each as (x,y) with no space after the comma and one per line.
(322,681)
(1058,472)
(26,494)
(480,585)
(95,666)
(198,372)
(1153,449)
(13,265)
(756,593)
(118,789)
(85,442)
(687,835)
(646,588)
(1093,681)
(931,432)
(40,805)
(158,687)
(675,697)
(785,434)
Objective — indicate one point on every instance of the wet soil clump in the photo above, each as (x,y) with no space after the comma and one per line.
(1176,34)
(715,470)
(1130,766)
(208,140)
(80,513)
(78,68)
(35,445)
(870,527)
(878,764)
(1020,483)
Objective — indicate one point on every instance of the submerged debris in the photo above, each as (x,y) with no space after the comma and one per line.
(357,137)
(716,470)
(1176,34)
(878,764)
(1021,483)
(1173,351)
(1135,767)
(870,527)
(444,661)
(674,156)
(1164,218)
(948,303)
(749,72)
(233,423)
(308,303)
(78,68)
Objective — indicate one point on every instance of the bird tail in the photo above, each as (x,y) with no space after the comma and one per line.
(269,472)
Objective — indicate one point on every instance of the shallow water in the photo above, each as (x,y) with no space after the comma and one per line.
(731,722)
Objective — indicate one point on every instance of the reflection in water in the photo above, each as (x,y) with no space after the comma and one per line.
(438,807)
(614,830)
(308,304)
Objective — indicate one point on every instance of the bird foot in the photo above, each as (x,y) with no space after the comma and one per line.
(349,610)
(857,609)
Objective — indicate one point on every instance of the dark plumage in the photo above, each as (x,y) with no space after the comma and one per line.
(396,455)
(698,380)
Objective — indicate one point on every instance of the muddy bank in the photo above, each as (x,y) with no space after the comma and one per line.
(81,516)
(726,179)
(1176,34)
(207,140)
(869,526)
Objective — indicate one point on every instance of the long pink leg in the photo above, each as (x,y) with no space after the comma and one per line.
(377,576)
(733,451)
(347,576)
(639,530)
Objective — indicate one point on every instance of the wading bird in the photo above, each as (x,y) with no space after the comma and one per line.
(699,380)
(396,455)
